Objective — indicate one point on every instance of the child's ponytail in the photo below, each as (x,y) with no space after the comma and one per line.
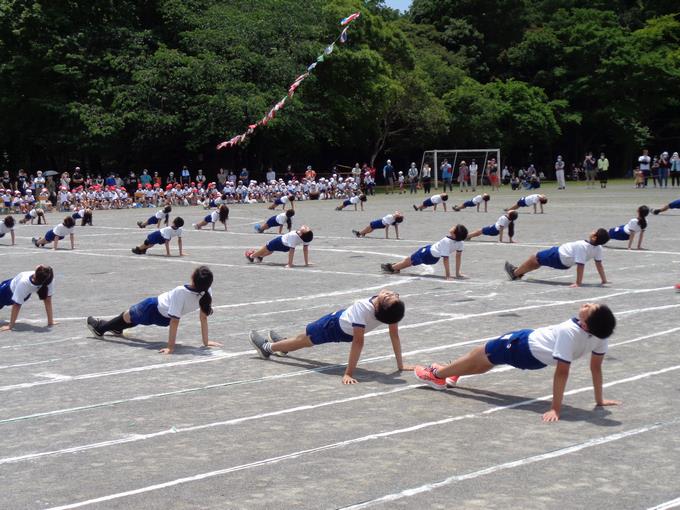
(202,281)
(643,212)
(43,276)
(224,213)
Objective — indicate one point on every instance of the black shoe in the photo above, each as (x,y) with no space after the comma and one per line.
(387,268)
(415,208)
(93,325)
(656,211)
(140,224)
(275,337)
(510,269)
(259,342)
(137,251)
(356,233)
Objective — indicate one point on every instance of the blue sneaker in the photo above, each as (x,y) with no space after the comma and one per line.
(257,228)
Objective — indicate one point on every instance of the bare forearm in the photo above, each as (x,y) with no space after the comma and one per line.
(354,354)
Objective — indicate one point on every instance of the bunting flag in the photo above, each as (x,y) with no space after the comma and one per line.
(342,38)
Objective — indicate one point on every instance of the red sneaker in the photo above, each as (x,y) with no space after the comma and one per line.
(426,374)
(677,287)
(452,381)
(249,255)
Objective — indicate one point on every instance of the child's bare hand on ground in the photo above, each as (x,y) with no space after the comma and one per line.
(348,379)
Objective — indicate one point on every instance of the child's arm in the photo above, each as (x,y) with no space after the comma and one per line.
(396,347)
(73,241)
(172,337)
(459,262)
(642,234)
(167,248)
(48,311)
(179,245)
(630,239)
(559,383)
(13,237)
(447,268)
(354,353)
(12,318)
(596,371)
(204,331)
(579,275)
(56,243)
(396,230)
(305,253)
(600,270)
(291,254)
(500,234)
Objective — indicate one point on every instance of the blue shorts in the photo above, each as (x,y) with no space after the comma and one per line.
(675,204)
(513,349)
(208,218)
(271,222)
(427,202)
(6,293)
(346,203)
(423,256)
(50,236)
(522,202)
(152,221)
(551,258)
(8,204)
(278,201)
(491,230)
(618,233)
(469,203)
(377,224)
(327,329)
(76,216)
(2,235)
(27,216)
(154,238)
(146,313)
(276,244)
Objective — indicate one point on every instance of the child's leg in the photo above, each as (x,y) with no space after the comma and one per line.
(474,362)
(262,252)
(406,262)
(530,264)
(476,233)
(296,343)
(366,230)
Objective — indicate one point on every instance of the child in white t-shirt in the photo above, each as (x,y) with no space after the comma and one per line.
(16,291)
(287,244)
(163,236)
(634,226)
(385,222)
(346,325)
(533,349)
(505,222)
(56,234)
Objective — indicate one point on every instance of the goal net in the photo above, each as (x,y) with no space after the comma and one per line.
(435,158)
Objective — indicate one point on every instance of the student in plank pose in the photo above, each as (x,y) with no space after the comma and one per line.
(627,232)
(346,325)
(385,222)
(56,234)
(285,218)
(32,215)
(360,199)
(163,236)
(166,310)
(7,227)
(287,244)
(282,201)
(533,200)
(16,291)
(221,215)
(565,256)
(507,221)
(532,349)
(434,200)
(675,204)
(162,215)
(475,201)
(431,253)
(84,214)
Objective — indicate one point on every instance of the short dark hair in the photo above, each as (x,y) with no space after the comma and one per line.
(398,218)
(9,221)
(486,197)
(307,236)
(69,222)
(390,313)
(543,200)
(362,197)
(513,215)
(167,209)
(601,322)
(461,232)
(601,236)
(178,222)
(444,196)
(290,212)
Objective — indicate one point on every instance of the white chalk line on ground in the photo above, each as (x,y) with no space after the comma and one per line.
(380,435)
(95,375)
(510,465)
(673,503)
(234,421)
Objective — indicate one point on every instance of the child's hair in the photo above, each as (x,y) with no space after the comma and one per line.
(398,218)
(224,213)
(512,215)
(202,278)
(542,199)
(43,276)
(167,209)
(601,322)
(390,313)
(41,216)
(485,197)
(69,222)
(178,222)
(289,215)
(643,212)
(87,218)
(291,198)
(460,233)
(307,236)
(601,237)
(362,197)
(9,221)
(445,197)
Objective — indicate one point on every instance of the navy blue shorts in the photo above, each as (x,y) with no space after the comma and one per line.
(376,224)
(6,293)
(513,349)
(146,313)
(208,218)
(427,202)
(491,230)
(27,216)
(276,244)
(346,203)
(154,238)
(271,222)
(618,233)
(327,329)
(522,202)
(423,256)
(2,235)
(152,221)
(469,203)
(675,204)
(50,236)
(76,216)
(278,201)
(551,258)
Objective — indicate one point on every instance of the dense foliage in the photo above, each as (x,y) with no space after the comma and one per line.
(157,83)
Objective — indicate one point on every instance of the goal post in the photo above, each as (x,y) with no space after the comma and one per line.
(436,157)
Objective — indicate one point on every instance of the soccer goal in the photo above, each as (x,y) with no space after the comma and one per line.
(435,158)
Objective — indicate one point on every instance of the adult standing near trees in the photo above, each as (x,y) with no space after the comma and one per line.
(6,180)
(290,175)
(589,165)
(185,175)
(664,169)
(463,176)
(22,181)
(474,169)
(447,174)
(603,170)
(310,173)
(77,178)
(559,173)
(675,169)
(131,182)
(65,180)
(200,178)
(222,179)
(388,175)
(38,182)
(356,173)
(655,169)
(243,176)
(426,178)
(645,165)
(270,175)
(413,178)
(492,171)
(145,178)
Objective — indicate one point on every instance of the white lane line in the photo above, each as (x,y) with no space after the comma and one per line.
(363,439)
(510,465)
(673,503)
(141,437)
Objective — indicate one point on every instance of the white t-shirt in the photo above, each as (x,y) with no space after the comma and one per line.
(388,220)
(4,229)
(445,247)
(502,222)
(436,199)
(178,302)
(579,252)
(473,168)
(169,232)
(285,199)
(632,226)
(354,200)
(160,215)
(61,231)
(644,162)
(292,239)
(532,199)
(22,287)
(566,341)
(477,200)
(360,314)
(281,218)
(214,216)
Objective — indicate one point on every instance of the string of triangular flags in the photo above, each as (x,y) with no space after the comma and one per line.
(342,38)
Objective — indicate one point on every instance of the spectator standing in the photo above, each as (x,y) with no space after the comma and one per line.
(473,174)
(645,165)
(603,170)
(664,170)
(463,176)
(130,182)
(38,182)
(388,175)
(356,173)
(6,180)
(185,175)
(232,177)
(270,175)
(675,169)
(22,182)
(77,179)
(145,178)
(65,180)
(290,175)
(200,178)
(559,173)
(426,178)
(413,178)
(310,173)
(222,178)
(447,174)
(492,171)
(589,165)
(244,175)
